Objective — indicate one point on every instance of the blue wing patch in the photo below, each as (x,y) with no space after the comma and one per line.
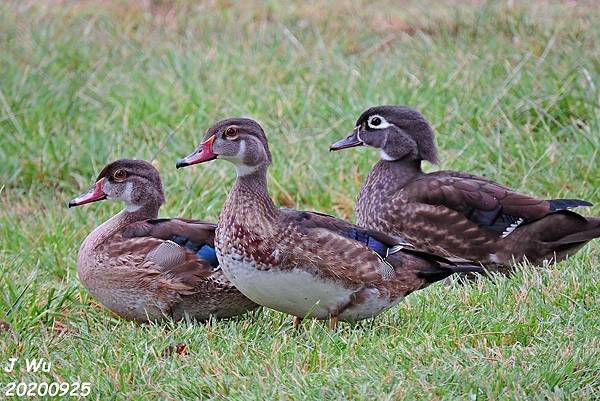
(371,243)
(209,254)
(202,251)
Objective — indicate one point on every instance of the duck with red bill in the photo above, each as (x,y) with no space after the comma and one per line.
(148,269)
(306,264)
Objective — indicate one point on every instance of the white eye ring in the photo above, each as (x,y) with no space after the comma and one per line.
(382,125)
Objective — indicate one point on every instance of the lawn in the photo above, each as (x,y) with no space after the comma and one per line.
(511,89)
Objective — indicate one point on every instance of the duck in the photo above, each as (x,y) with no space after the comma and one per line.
(303,263)
(144,268)
(453,213)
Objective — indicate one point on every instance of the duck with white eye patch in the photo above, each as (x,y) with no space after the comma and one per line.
(148,269)
(306,264)
(451,213)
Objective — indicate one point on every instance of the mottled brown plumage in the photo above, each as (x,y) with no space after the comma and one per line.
(304,263)
(146,269)
(451,213)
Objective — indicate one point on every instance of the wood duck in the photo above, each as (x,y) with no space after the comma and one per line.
(454,213)
(144,268)
(306,264)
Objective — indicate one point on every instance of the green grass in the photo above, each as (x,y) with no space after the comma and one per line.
(512,91)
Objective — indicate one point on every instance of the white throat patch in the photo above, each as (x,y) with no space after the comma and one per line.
(130,208)
(126,196)
(385,156)
(242,169)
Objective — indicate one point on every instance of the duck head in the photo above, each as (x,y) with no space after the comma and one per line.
(135,182)
(398,132)
(240,141)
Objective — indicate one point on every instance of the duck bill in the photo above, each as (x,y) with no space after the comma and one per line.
(350,141)
(95,194)
(203,154)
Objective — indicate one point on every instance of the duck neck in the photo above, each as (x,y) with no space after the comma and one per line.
(249,199)
(117,223)
(386,179)
(396,173)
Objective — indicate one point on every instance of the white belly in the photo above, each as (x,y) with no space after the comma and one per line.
(300,293)
(374,303)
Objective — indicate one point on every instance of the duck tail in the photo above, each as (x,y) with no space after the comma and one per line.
(563,204)
(469,269)
(448,267)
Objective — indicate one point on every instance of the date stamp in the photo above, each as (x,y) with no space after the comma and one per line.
(40,388)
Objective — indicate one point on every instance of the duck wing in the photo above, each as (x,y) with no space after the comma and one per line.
(347,251)
(485,203)
(181,250)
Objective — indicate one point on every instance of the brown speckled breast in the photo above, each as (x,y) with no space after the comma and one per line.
(246,228)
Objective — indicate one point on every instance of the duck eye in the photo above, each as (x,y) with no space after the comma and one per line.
(231,132)
(375,122)
(120,175)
